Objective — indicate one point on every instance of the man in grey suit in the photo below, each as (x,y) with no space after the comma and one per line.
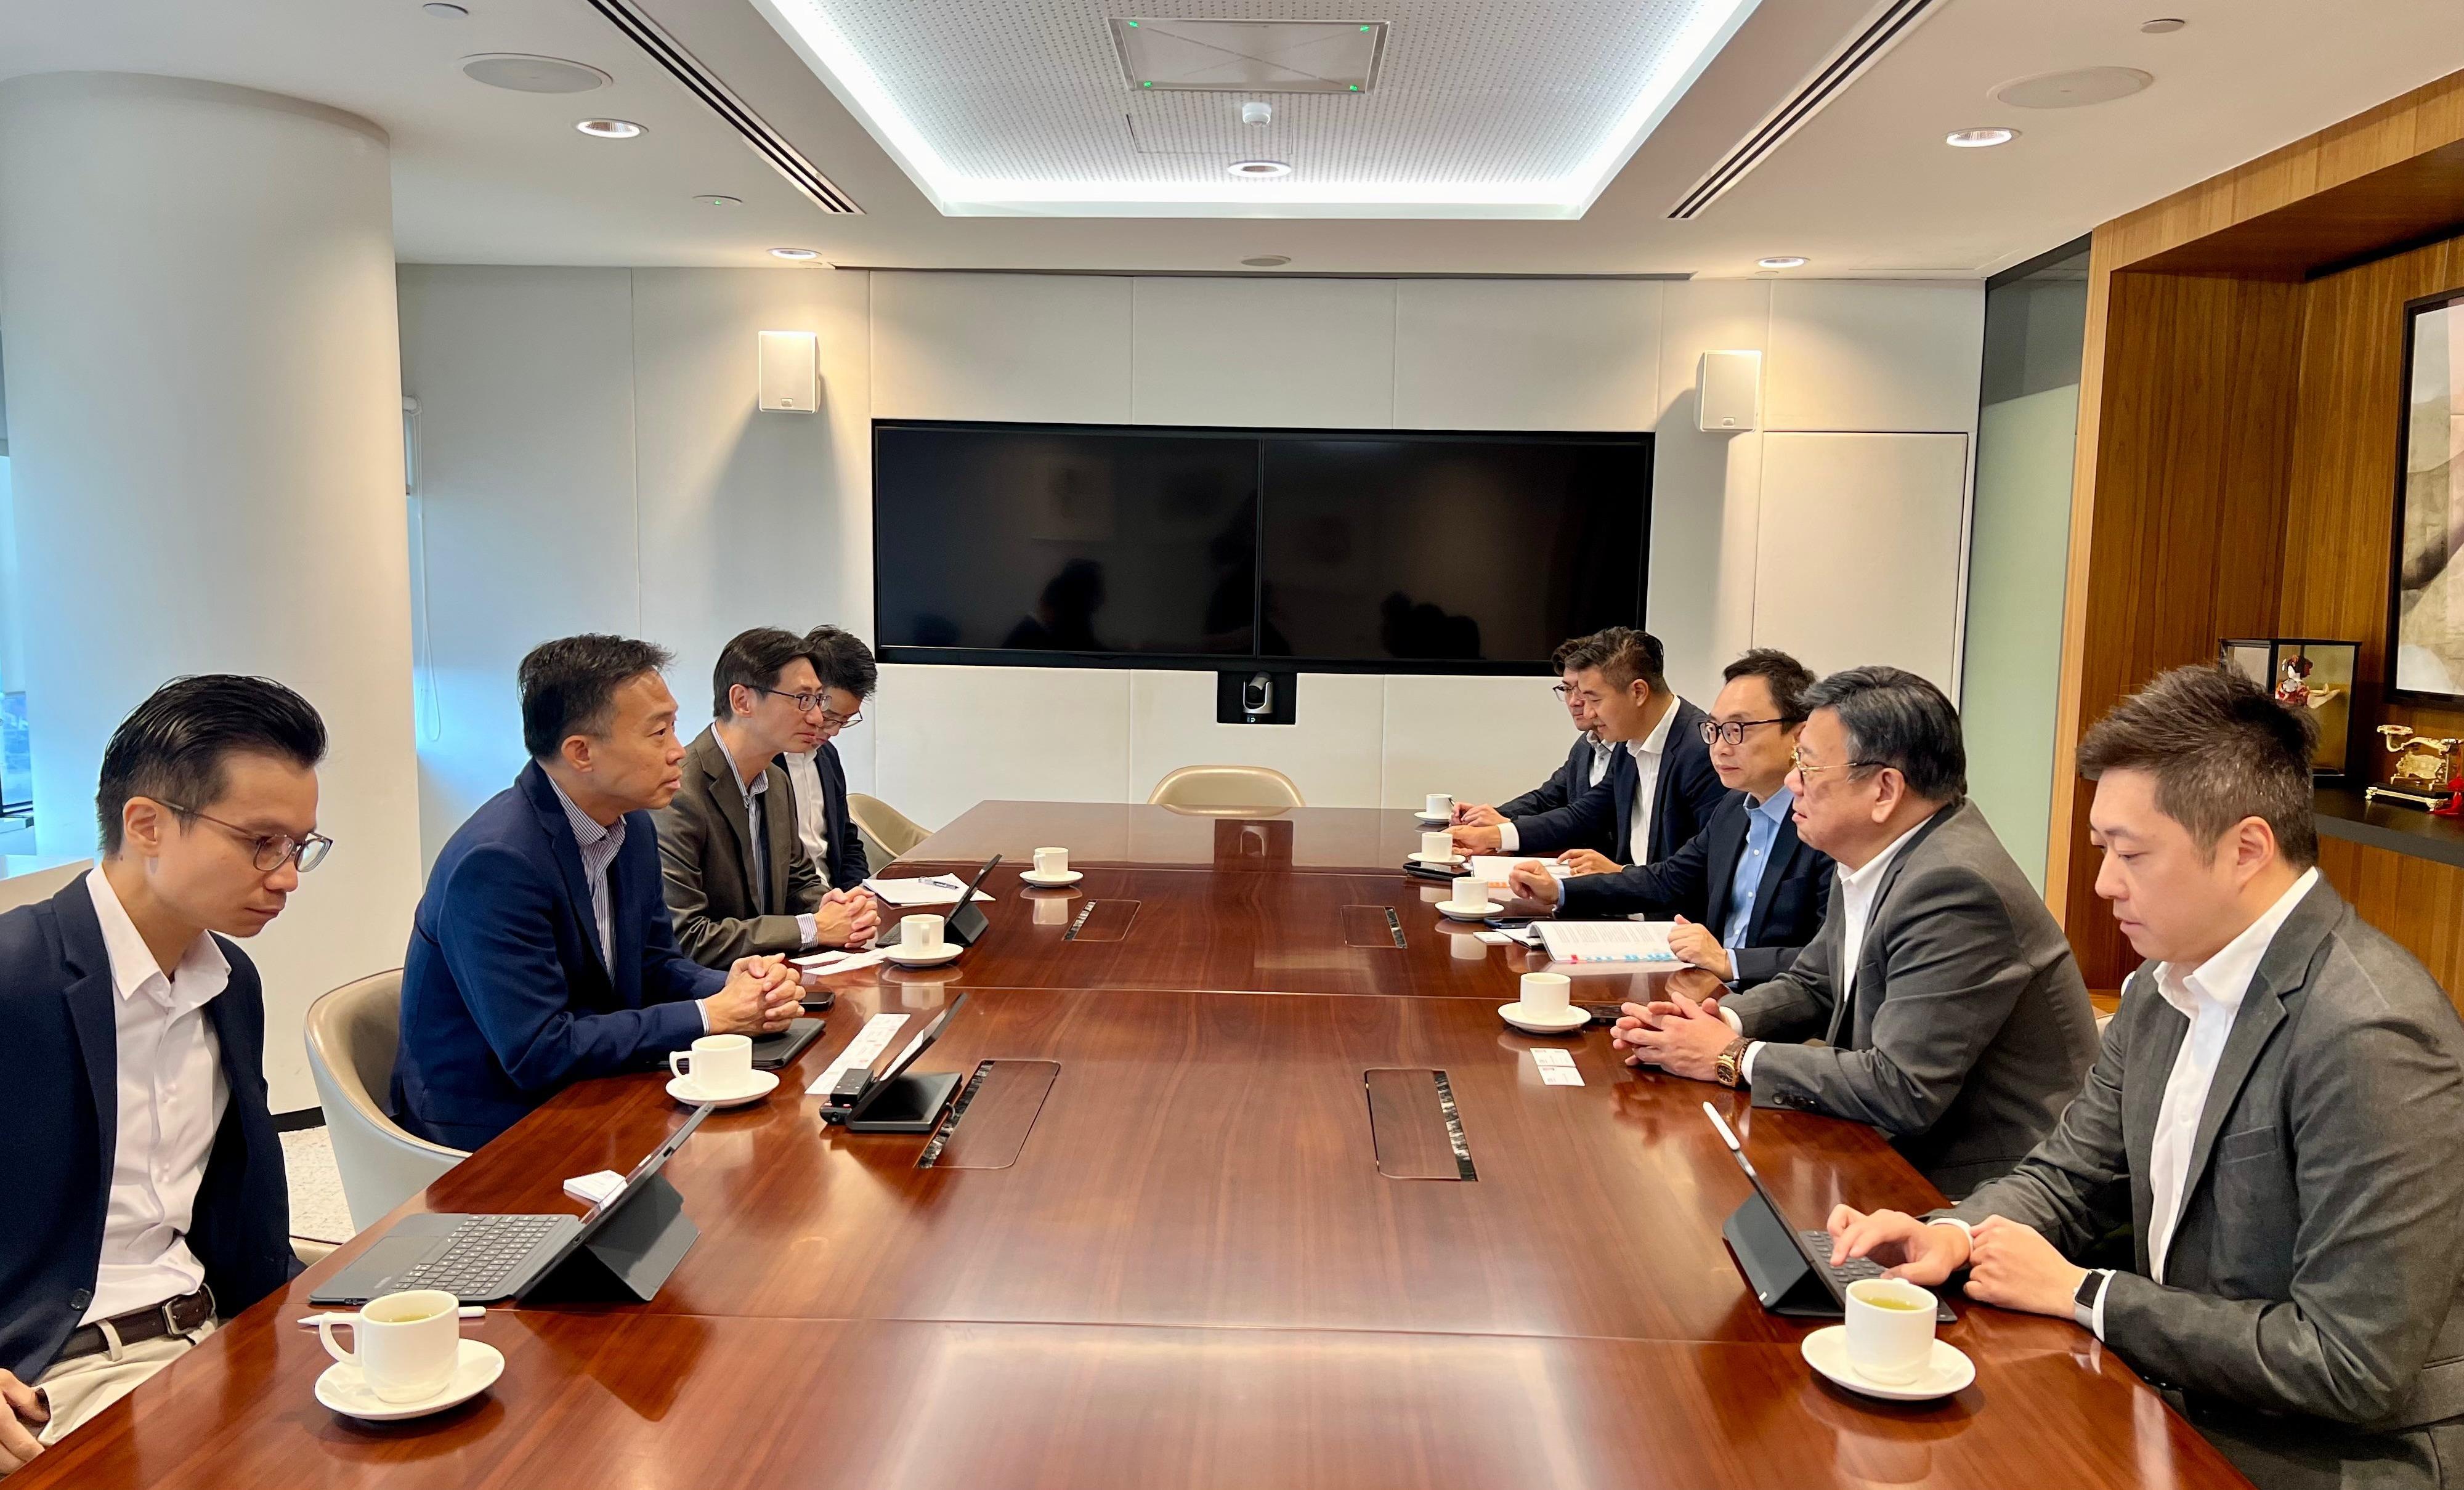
(737,880)
(2274,1112)
(1944,1002)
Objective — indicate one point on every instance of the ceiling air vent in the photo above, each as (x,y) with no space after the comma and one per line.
(732,110)
(1884,29)
(1161,55)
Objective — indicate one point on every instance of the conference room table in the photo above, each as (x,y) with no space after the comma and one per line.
(1200,1219)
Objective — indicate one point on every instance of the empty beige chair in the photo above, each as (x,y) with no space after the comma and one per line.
(24,890)
(352,1033)
(888,834)
(1227,789)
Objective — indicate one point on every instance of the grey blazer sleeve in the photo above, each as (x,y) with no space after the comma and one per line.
(712,941)
(1751,965)
(2375,1106)
(2076,1187)
(1950,985)
(1797,1002)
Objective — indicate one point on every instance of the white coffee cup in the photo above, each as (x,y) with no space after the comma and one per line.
(1890,1329)
(1440,805)
(1437,846)
(1470,890)
(715,1063)
(406,1343)
(920,934)
(1052,862)
(1547,993)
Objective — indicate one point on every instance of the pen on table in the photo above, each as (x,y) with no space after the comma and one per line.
(309,1320)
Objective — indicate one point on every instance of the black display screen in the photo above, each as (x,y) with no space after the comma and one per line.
(1367,550)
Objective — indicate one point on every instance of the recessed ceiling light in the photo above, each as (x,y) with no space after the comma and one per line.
(610,128)
(1980,139)
(796,254)
(1259,171)
(2162,25)
(444,11)
(1268,261)
(524,73)
(1783,261)
(719,201)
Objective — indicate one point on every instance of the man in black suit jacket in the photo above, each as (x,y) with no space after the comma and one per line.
(146,1188)
(848,677)
(1747,892)
(1659,790)
(1587,764)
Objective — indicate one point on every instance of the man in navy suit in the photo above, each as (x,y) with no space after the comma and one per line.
(146,1182)
(1587,764)
(1746,892)
(542,952)
(848,677)
(1660,789)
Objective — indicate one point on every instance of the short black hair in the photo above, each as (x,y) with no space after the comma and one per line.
(843,661)
(1575,654)
(1623,654)
(569,686)
(1894,718)
(751,659)
(1786,678)
(173,747)
(2221,749)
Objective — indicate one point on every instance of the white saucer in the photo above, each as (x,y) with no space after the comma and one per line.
(346,1390)
(1515,1015)
(899,955)
(763,1085)
(1461,912)
(1434,860)
(1949,1371)
(1433,821)
(1051,881)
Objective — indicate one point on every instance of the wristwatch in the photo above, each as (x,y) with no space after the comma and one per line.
(1726,1067)
(2091,1288)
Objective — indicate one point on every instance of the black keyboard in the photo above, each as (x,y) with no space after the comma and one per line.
(1819,1242)
(480,1256)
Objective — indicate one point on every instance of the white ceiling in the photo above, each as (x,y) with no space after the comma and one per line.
(487,176)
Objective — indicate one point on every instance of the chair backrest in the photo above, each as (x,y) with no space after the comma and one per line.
(24,890)
(884,827)
(1259,788)
(352,1034)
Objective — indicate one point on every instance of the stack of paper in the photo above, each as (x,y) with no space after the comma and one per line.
(1492,868)
(939,890)
(1607,941)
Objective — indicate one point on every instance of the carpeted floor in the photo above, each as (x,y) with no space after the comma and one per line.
(317,1206)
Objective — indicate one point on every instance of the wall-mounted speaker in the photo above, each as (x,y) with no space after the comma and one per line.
(787,376)
(1727,392)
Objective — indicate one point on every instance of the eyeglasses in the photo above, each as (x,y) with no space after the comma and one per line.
(1733,730)
(1796,759)
(841,721)
(807,703)
(270,851)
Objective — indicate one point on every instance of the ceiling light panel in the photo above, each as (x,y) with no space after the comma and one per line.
(1464,109)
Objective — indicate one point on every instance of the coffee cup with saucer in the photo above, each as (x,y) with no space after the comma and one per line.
(921,944)
(1438,851)
(1439,809)
(1469,901)
(1887,1349)
(718,1072)
(408,1358)
(1546,1007)
(1051,869)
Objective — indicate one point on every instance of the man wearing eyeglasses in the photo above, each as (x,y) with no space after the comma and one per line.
(146,1182)
(731,861)
(1947,1007)
(848,675)
(1586,765)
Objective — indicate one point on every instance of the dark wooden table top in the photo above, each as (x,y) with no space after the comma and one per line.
(1186,1270)
(1116,835)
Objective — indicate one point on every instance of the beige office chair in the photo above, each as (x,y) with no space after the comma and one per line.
(24,890)
(1225,790)
(888,834)
(352,1033)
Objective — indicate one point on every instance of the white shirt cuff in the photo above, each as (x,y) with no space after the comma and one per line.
(808,930)
(1508,840)
(1745,1065)
(1734,1023)
(703,1005)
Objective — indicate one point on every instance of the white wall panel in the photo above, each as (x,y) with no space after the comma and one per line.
(1330,752)
(1861,550)
(1873,355)
(1036,348)
(524,379)
(1707,489)
(952,736)
(1480,739)
(1526,354)
(1265,351)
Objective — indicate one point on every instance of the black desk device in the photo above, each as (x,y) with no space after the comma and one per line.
(965,924)
(1778,1261)
(891,1100)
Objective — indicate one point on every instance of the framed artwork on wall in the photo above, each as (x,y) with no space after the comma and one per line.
(2426,591)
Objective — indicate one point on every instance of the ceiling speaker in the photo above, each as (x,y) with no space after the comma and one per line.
(524,73)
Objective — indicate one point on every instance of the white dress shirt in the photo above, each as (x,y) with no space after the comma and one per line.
(1646,753)
(1858,889)
(812,817)
(171,1097)
(759,846)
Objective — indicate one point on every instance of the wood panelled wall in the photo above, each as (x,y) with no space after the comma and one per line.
(2235,473)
